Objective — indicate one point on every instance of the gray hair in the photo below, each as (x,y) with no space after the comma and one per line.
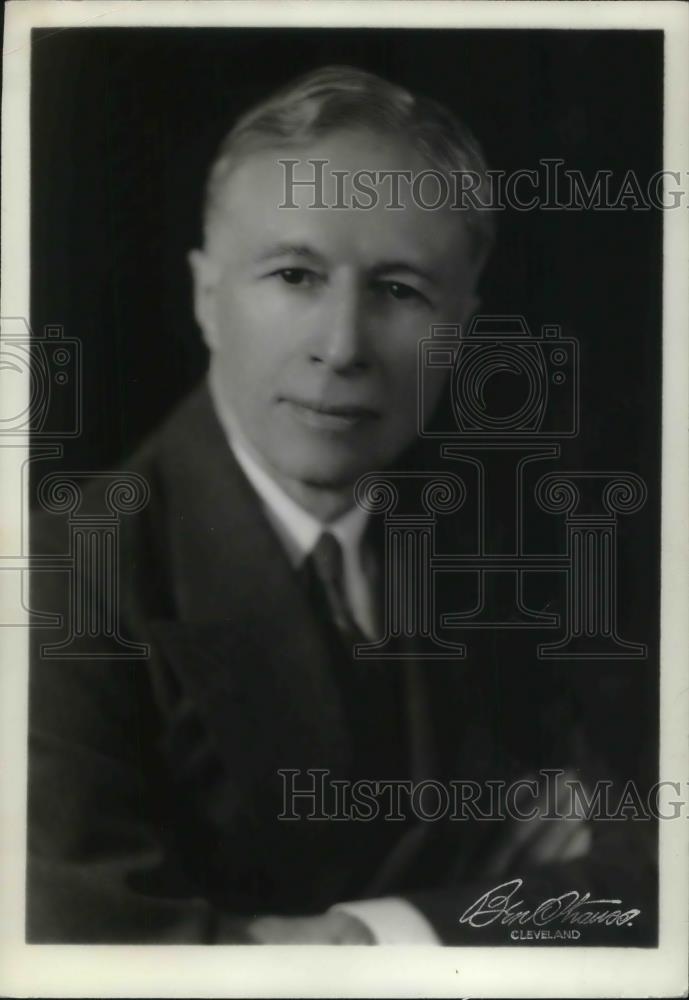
(338,97)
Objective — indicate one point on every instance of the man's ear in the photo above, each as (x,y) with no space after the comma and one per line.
(204,276)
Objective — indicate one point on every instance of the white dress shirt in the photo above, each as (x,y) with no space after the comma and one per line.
(299,531)
(390,920)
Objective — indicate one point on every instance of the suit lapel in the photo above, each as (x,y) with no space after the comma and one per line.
(245,641)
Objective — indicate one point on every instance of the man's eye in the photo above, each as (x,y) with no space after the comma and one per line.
(398,290)
(296,275)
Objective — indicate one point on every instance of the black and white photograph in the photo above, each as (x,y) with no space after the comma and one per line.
(343,367)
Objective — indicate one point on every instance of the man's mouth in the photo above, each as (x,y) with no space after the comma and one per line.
(330,416)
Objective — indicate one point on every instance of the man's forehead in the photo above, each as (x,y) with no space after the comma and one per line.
(326,218)
(331,238)
(343,170)
(346,152)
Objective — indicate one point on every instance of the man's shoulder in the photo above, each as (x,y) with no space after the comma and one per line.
(142,503)
(189,432)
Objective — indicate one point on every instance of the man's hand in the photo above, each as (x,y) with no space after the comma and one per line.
(326,928)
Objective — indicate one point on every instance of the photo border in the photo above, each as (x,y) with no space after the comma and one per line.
(323,971)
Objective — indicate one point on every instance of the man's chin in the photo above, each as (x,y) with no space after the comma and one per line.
(330,480)
(327,472)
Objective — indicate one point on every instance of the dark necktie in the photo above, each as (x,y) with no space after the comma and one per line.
(382,710)
(326,563)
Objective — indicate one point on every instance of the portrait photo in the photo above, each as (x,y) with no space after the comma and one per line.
(344,365)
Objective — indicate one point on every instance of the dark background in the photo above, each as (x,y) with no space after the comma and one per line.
(126,121)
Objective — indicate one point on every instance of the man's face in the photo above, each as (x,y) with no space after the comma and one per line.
(313,316)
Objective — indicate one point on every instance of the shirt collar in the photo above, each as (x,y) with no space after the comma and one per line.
(297,528)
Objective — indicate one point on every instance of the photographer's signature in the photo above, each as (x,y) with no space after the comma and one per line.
(501,905)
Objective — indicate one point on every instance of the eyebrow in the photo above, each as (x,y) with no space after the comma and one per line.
(289,250)
(406,268)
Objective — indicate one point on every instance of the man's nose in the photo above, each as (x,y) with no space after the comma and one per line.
(342,340)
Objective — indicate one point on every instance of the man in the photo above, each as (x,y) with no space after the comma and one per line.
(158,787)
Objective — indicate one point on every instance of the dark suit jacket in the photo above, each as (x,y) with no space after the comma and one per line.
(154,785)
